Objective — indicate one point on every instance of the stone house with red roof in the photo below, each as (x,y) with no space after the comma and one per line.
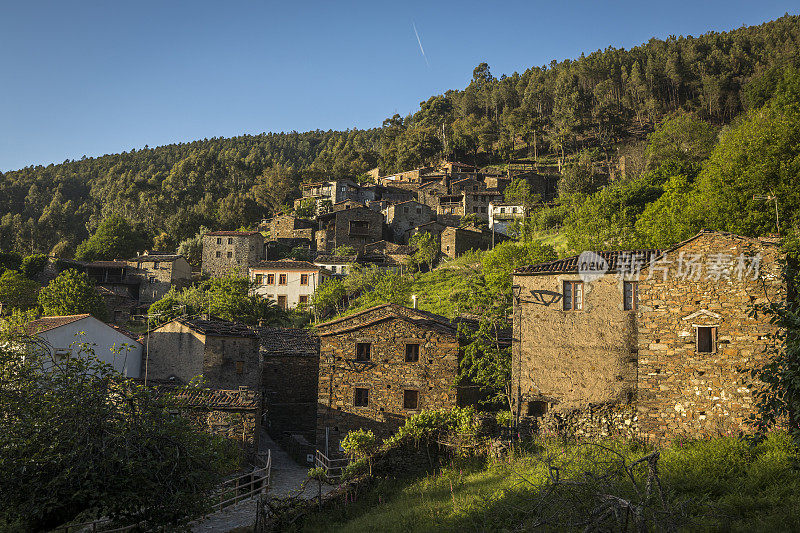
(381,365)
(650,343)
(64,337)
(231,251)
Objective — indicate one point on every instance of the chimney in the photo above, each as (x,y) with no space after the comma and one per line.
(414,300)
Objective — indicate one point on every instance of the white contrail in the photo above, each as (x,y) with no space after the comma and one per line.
(420,44)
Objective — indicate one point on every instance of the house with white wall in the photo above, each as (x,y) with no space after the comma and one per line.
(288,283)
(64,335)
(503,215)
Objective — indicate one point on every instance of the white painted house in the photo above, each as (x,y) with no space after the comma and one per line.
(286,282)
(502,215)
(63,334)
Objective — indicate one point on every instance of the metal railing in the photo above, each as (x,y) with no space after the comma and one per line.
(334,468)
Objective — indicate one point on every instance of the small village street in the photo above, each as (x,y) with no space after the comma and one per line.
(287,478)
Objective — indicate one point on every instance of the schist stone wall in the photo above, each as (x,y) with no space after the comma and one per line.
(456,241)
(184,349)
(353,227)
(685,391)
(386,375)
(224,251)
(572,358)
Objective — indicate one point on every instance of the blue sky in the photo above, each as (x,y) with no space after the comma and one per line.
(90,78)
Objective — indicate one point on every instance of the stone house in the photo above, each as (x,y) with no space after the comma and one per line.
(288,283)
(337,265)
(435,228)
(225,353)
(63,336)
(655,341)
(697,340)
(114,281)
(455,241)
(289,379)
(575,341)
(328,193)
(406,215)
(350,227)
(291,227)
(231,251)
(158,273)
(387,255)
(381,365)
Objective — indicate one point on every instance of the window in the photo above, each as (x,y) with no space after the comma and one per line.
(282,279)
(706,339)
(259,279)
(359,227)
(333,269)
(282,301)
(343,269)
(219,240)
(474,209)
(361,397)
(270,279)
(630,295)
(573,295)
(410,399)
(61,355)
(502,209)
(240,367)
(302,299)
(230,240)
(218,254)
(412,353)
(405,210)
(363,351)
(303,279)
(230,254)
(419,210)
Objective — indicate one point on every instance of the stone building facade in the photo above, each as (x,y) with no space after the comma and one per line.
(350,227)
(236,251)
(402,217)
(696,338)
(291,227)
(224,353)
(651,343)
(381,365)
(456,241)
(158,273)
(575,340)
(289,379)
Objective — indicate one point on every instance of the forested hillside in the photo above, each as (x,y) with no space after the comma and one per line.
(577,114)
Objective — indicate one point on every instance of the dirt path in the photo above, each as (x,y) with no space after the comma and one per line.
(286,478)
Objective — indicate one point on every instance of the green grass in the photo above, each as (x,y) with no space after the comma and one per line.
(557,240)
(713,485)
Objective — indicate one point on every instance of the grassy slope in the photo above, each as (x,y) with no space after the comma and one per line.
(720,485)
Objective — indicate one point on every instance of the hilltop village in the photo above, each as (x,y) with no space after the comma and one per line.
(643,349)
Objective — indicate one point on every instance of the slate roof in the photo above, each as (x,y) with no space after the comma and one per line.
(570,264)
(419,317)
(287,341)
(47,323)
(217,328)
(336,259)
(232,233)
(156,258)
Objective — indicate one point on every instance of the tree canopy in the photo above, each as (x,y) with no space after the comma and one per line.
(72,293)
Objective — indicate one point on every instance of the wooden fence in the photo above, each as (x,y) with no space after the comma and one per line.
(334,468)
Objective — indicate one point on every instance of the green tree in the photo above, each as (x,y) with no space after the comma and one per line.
(519,192)
(72,293)
(17,291)
(115,238)
(427,248)
(680,139)
(77,437)
(499,263)
(33,265)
